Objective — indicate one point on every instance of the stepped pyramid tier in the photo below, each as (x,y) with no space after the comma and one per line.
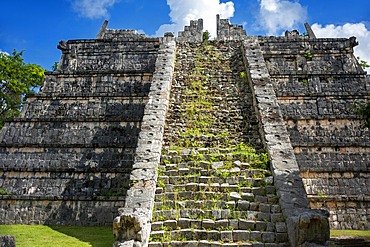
(181,141)
(68,158)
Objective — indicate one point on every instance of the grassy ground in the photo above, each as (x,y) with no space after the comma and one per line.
(350,233)
(66,236)
(61,236)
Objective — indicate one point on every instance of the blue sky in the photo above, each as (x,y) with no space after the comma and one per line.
(37,26)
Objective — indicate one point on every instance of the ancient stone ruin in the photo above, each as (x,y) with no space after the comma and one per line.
(236,141)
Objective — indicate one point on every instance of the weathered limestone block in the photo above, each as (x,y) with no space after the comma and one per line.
(71,134)
(192,33)
(227,31)
(312,228)
(125,84)
(289,185)
(301,86)
(132,226)
(121,34)
(310,56)
(7,241)
(131,229)
(110,54)
(84,159)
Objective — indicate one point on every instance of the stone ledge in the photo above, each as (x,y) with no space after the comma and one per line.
(62,198)
(338,198)
(140,197)
(304,225)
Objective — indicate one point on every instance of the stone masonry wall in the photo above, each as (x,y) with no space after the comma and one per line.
(69,157)
(317,83)
(192,33)
(227,31)
(304,225)
(132,226)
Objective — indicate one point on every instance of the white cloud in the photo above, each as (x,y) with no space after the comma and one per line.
(93,9)
(4,52)
(183,11)
(358,30)
(276,16)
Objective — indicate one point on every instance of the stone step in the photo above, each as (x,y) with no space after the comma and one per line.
(234,237)
(199,150)
(196,156)
(241,181)
(216,167)
(244,186)
(241,205)
(190,204)
(349,242)
(215,187)
(222,224)
(189,195)
(206,243)
(255,194)
(258,194)
(217,214)
(222,173)
(219,166)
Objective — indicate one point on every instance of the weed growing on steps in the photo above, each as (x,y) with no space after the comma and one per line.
(204,95)
(4,192)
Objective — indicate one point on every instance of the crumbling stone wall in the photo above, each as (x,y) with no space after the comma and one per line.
(7,241)
(132,226)
(69,157)
(304,225)
(192,33)
(228,31)
(317,83)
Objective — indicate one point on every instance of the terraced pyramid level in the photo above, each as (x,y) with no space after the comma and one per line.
(214,186)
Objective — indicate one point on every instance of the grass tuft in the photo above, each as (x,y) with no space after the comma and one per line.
(350,233)
(61,236)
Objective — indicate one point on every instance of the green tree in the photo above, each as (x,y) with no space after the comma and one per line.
(363,110)
(206,36)
(17,79)
(55,66)
(363,63)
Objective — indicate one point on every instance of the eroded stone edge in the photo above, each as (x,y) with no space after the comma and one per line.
(132,226)
(304,225)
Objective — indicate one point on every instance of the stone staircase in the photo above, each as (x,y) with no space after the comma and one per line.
(209,197)
(214,186)
(349,242)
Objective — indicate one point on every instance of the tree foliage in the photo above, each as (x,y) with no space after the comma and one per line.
(363,63)
(55,66)
(206,36)
(363,110)
(17,79)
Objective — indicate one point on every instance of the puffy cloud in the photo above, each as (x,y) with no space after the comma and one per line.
(4,52)
(276,16)
(93,9)
(182,11)
(358,30)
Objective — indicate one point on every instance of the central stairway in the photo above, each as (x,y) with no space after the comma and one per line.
(214,185)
